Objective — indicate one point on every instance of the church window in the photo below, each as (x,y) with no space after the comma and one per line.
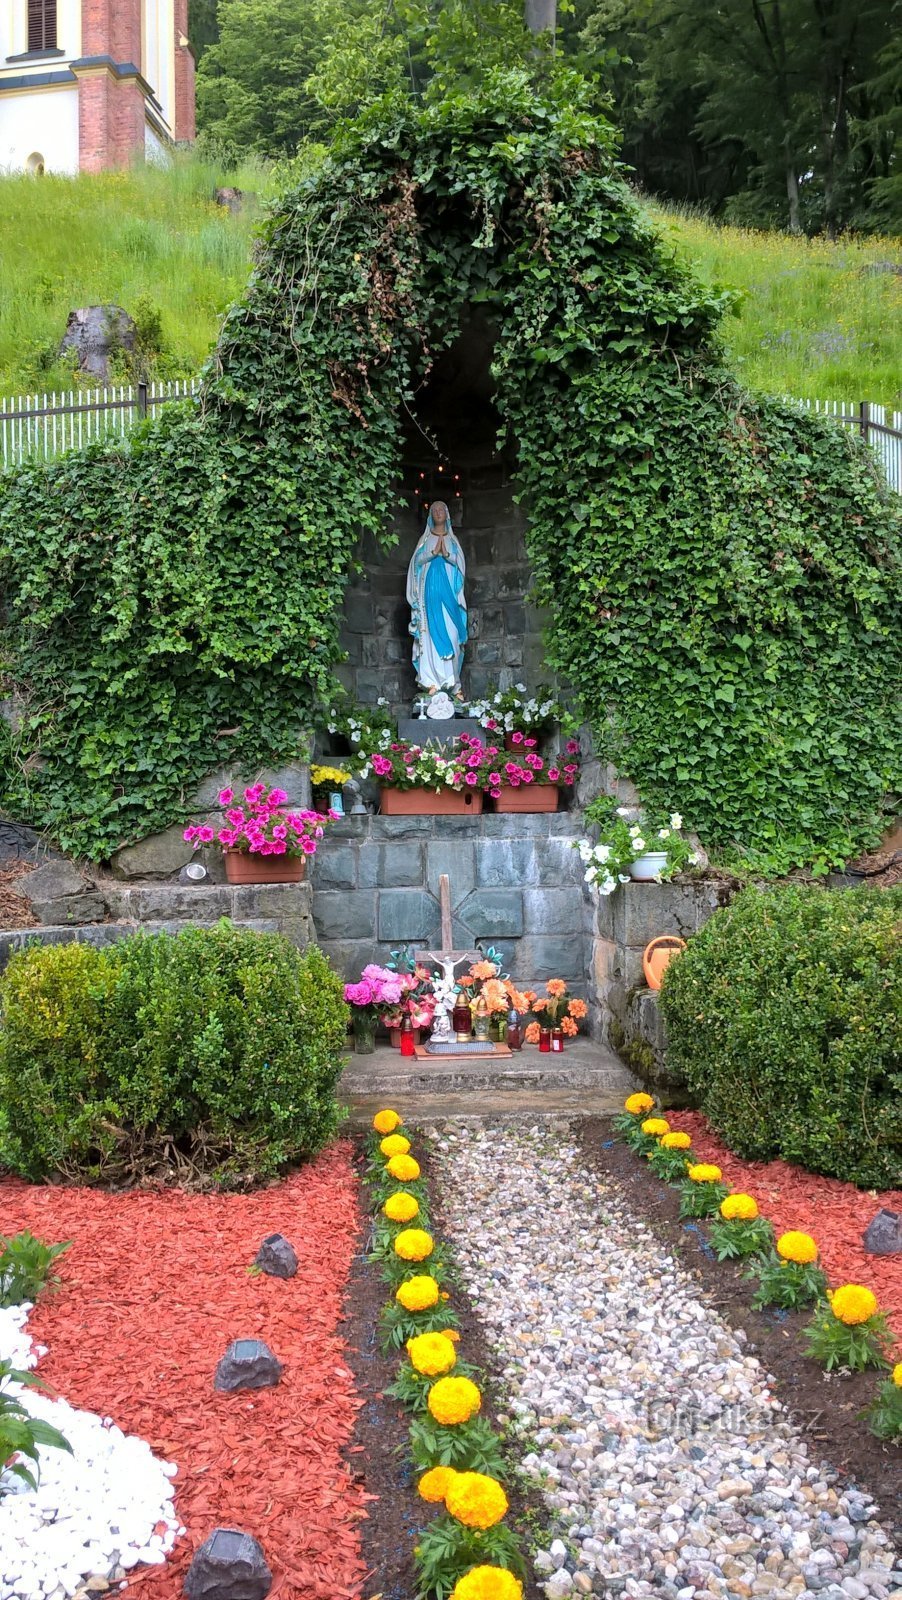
(42,24)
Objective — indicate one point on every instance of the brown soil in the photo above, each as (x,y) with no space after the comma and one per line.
(882,869)
(378,1453)
(15,910)
(825,1409)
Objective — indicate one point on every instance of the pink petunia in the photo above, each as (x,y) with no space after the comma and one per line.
(225,797)
(277,797)
(308,847)
(471,778)
(527,777)
(189,834)
(553,775)
(573,747)
(235,816)
(279,847)
(516,738)
(280,831)
(253,793)
(530,743)
(227,837)
(515,783)
(491,723)
(205,835)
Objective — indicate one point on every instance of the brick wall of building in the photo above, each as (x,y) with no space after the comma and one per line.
(184,76)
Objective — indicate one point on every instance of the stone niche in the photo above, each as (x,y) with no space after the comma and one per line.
(450,454)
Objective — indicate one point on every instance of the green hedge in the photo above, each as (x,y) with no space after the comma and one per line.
(785,1016)
(212,1054)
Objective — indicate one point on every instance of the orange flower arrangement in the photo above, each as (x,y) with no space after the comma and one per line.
(531,1034)
(483,969)
(494,993)
(568,1026)
(557,1008)
(556,988)
(578,1009)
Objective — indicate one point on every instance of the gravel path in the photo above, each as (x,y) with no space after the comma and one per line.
(666,1461)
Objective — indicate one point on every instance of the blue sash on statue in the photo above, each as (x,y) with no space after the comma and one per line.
(440,598)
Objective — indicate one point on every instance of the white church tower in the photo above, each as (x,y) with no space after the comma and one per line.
(91,84)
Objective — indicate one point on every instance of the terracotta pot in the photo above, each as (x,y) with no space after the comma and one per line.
(242,867)
(528,797)
(430,802)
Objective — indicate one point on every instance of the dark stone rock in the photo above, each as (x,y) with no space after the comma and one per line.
(506,863)
(392,866)
(540,956)
(19,842)
(94,332)
(277,1257)
(552,910)
(162,855)
(229,1565)
(403,827)
(457,858)
(247,1364)
(76,908)
(233,199)
(334,866)
(883,1234)
(53,881)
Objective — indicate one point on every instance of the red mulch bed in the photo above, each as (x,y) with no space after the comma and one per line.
(155,1287)
(835,1213)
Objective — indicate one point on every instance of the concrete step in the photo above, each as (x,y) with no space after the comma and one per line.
(525,1106)
(586,1078)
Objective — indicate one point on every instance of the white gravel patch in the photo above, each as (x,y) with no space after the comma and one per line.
(96,1513)
(668,1465)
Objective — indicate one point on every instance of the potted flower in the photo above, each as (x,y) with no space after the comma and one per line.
(327,783)
(515,710)
(522,780)
(630,849)
(559,1014)
(417,780)
(417,1001)
(263,840)
(377,990)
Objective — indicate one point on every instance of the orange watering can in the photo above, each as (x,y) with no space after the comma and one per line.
(658,956)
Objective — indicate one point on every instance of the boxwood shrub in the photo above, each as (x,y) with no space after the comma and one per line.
(785,1017)
(212,1054)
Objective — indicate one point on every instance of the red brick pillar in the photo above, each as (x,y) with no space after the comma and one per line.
(110,107)
(184,125)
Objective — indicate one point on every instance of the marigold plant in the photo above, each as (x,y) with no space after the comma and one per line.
(417,1294)
(849,1331)
(487,1583)
(853,1304)
(414,1244)
(386,1121)
(401,1207)
(885,1415)
(798,1247)
(739,1208)
(476,1500)
(404,1168)
(704,1172)
(454,1400)
(655,1127)
(676,1140)
(638,1104)
(431,1354)
(702,1191)
(433,1485)
(394,1144)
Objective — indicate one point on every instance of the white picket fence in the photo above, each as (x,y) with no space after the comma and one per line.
(45,425)
(881,429)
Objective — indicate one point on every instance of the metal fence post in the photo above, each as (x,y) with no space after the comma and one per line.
(142,399)
(864,420)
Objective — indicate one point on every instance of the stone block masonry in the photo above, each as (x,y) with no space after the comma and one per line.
(516,883)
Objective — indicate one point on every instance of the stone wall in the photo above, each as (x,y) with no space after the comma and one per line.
(516,883)
(505,627)
(623,1009)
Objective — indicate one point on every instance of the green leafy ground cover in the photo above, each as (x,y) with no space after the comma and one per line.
(816,319)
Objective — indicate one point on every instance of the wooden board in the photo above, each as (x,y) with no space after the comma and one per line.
(491,1049)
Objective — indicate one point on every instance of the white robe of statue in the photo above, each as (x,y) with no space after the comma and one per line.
(438,607)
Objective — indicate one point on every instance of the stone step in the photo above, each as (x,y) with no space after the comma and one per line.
(414,1078)
(525,1106)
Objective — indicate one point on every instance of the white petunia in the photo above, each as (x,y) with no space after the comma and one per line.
(663,833)
(608,885)
(639,844)
(635,831)
(693,859)
(589,875)
(676,820)
(622,811)
(623,877)
(602,852)
(585,850)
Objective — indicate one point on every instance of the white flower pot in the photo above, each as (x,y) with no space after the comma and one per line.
(647,867)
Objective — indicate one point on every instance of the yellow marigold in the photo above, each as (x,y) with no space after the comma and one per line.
(897,1374)
(400,1207)
(798,1247)
(452,1334)
(676,1141)
(476,1500)
(638,1104)
(431,1353)
(394,1145)
(453,1400)
(414,1244)
(386,1121)
(404,1168)
(703,1173)
(433,1485)
(853,1304)
(655,1126)
(739,1208)
(487,1583)
(417,1294)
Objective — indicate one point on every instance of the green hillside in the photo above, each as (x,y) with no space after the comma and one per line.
(817,319)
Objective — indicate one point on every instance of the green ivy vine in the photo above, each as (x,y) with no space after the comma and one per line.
(723,571)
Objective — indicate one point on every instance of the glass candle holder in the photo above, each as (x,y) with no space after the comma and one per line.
(557,1039)
(545,1041)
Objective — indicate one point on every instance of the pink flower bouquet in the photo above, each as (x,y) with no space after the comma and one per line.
(263,825)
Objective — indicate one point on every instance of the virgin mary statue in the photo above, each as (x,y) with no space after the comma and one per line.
(438,609)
